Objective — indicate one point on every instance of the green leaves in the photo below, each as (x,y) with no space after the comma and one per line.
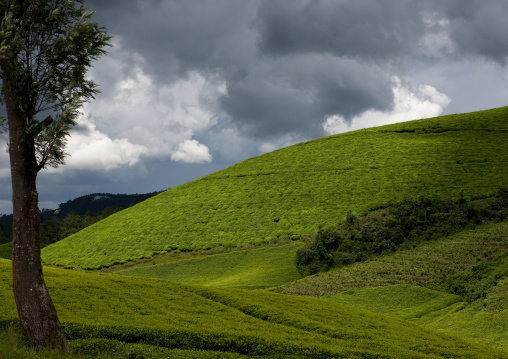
(46,48)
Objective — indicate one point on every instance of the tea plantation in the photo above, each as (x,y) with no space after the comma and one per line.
(101,311)
(469,270)
(290,193)
(224,281)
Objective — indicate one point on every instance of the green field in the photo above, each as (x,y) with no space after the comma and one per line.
(96,309)
(249,269)
(289,193)
(225,248)
(402,301)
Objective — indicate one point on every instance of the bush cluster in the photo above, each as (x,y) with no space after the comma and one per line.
(395,227)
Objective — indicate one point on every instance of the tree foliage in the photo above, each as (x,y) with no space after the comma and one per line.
(46,48)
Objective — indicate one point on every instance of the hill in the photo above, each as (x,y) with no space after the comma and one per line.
(106,311)
(290,193)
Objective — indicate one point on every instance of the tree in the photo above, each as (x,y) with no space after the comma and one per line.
(46,48)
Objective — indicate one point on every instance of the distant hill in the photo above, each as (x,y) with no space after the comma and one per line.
(93,204)
(291,192)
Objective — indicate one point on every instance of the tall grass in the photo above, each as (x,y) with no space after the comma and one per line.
(291,192)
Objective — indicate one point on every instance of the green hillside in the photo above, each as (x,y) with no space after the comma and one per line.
(290,192)
(249,269)
(101,311)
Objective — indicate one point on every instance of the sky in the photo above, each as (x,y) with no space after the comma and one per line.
(189,87)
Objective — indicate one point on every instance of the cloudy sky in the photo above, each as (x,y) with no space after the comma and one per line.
(193,86)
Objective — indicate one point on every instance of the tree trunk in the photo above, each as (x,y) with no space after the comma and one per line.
(36,311)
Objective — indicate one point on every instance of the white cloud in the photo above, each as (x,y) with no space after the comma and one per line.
(158,116)
(410,104)
(191,151)
(91,149)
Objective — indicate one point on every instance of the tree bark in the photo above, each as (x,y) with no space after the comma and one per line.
(37,313)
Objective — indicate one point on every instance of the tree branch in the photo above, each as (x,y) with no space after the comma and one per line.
(42,125)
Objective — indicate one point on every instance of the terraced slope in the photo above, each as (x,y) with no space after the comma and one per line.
(432,309)
(292,191)
(99,309)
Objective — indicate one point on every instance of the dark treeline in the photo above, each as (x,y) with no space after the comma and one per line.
(94,204)
(396,227)
(55,229)
(75,215)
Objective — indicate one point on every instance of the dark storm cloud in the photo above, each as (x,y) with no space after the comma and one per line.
(362,28)
(478,27)
(295,95)
(178,36)
(287,65)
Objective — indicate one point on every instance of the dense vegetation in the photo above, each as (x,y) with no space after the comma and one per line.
(426,263)
(292,192)
(101,311)
(398,226)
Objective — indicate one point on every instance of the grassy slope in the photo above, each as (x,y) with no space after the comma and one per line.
(290,192)
(161,313)
(249,269)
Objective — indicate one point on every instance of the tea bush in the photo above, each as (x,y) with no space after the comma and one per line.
(6,250)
